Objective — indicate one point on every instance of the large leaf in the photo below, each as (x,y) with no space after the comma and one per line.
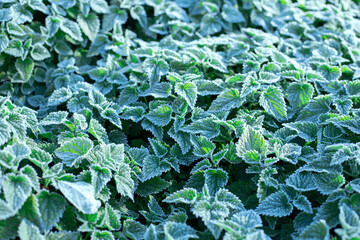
(188,91)
(160,116)
(74,150)
(272,100)
(16,188)
(299,94)
(251,140)
(81,195)
(276,205)
(51,207)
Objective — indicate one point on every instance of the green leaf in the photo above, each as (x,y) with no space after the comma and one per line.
(39,157)
(153,166)
(315,108)
(299,94)
(81,195)
(17,124)
(226,101)
(4,132)
(159,148)
(301,181)
(14,47)
(111,115)
(30,211)
(5,14)
(306,130)
(90,25)
(160,116)
(99,6)
(27,231)
(98,131)
(99,177)
(327,183)
(275,205)
(40,53)
(348,217)
(17,189)
(272,100)
(112,218)
(24,68)
(208,127)
(51,207)
(5,211)
(179,231)
(63,236)
(150,233)
(124,183)
(202,146)
(188,91)
(71,28)
(215,179)
(31,173)
(186,195)
(316,230)
(74,150)
(152,186)
(251,140)
(55,118)
(182,139)
(9,227)
(135,114)
(133,229)
(59,96)
(303,204)
(329,72)
(102,235)
(98,74)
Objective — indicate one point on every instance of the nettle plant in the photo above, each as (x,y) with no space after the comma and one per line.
(176,120)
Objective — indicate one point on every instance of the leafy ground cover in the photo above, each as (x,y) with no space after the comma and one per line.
(155,119)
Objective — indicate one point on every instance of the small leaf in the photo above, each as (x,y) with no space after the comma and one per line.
(208,127)
(186,195)
(154,166)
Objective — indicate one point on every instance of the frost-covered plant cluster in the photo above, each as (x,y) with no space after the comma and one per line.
(176,120)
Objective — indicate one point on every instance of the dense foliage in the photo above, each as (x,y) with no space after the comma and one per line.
(156,119)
